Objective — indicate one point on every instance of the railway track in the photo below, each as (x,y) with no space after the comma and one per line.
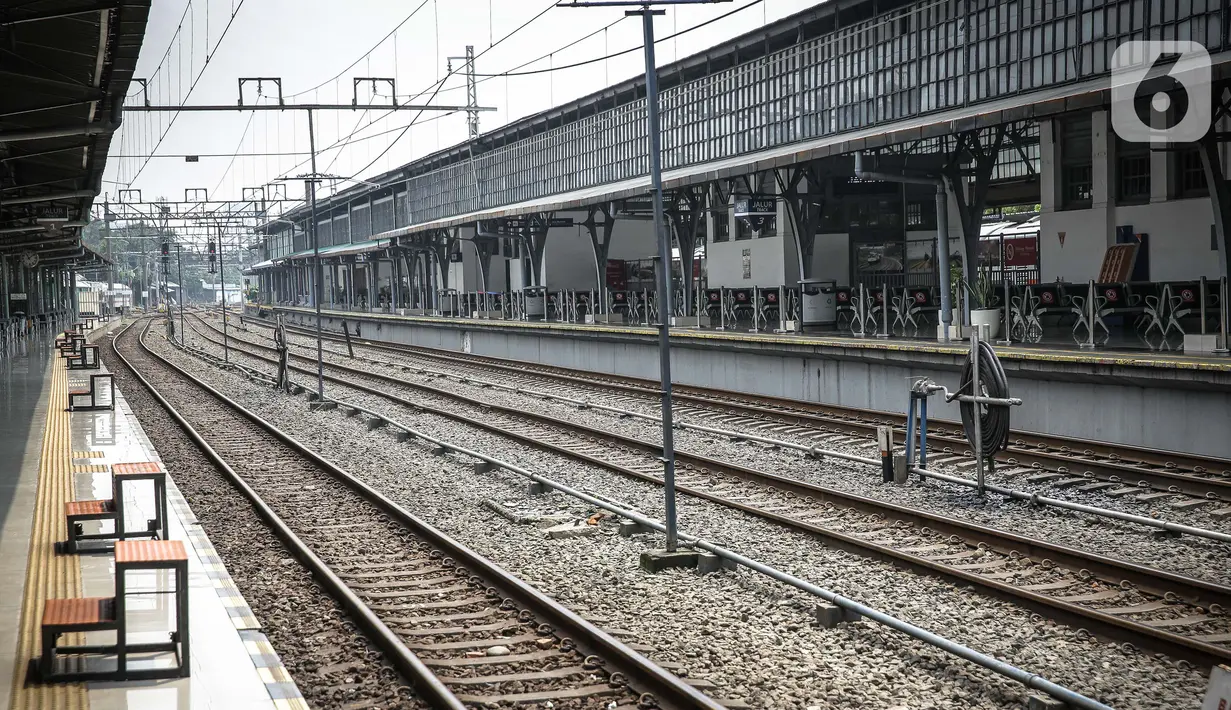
(1157,610)
(1149,475)
(460,628)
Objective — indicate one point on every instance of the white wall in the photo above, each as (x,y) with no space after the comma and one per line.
(1179,245)
(1179,241)
(726,265)
(568,259)
(831,258)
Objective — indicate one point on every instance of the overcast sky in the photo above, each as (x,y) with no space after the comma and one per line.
(307,42)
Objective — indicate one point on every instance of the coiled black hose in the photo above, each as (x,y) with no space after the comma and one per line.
(993,418)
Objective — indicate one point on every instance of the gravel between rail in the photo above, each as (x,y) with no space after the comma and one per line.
(750,637)
(333,664)
(1195,557)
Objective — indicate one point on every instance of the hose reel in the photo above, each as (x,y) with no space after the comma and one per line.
(983,400)
(993,418)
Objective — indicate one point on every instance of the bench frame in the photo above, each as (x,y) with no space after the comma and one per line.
(45,668)
(93,393)
(87,359)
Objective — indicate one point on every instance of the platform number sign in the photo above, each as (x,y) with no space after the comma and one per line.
(756,210)
(213,256)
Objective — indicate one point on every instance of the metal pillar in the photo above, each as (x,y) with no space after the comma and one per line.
(4,286)
(222,284)
(664,279)
(179,261)
(316,258)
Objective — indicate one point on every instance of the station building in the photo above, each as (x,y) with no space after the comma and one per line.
(898,161)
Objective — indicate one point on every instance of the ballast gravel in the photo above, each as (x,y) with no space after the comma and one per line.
(750,636)
(1197,557)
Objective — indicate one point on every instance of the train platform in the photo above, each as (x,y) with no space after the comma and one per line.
(1162,400)
(1039,357)
(60,456)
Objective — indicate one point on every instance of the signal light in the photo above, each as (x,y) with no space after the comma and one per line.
(213,247)
(166,248)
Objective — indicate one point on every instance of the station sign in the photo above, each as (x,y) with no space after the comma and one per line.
(560,222)
(756,210)
(52,213)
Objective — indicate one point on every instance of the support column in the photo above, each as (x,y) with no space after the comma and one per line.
(686,214)
(538,246)
(4,286)
(1103,187)
(485,247)
(1220,199)
(971,209)
(602,247)
(395,281)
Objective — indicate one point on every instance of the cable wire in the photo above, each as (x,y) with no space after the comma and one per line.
(365,54)
(191,88)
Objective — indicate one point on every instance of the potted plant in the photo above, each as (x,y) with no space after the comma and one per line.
(982,299)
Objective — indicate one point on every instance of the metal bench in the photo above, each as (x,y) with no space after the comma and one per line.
(619,304)
(99,395)
(741,304)
(71,344)
(844,307)
(913,306)
(87,359)
(61,616)
(78,512)
(769,306)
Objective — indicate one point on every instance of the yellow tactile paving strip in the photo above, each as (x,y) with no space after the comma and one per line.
(1146,360)
(49,575)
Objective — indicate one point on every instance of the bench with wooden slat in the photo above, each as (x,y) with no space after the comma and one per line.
(88,613)
(85,358)
(61,616)
(99,395)
(79,511)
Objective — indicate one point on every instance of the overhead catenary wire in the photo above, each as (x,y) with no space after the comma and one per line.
(435,88)
(208,58)
(366,54)
(621,53)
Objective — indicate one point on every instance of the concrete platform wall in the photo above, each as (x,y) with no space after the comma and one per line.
(1177,416)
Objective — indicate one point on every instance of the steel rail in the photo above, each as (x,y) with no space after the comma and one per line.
(1112,570)
(1065,455)
(643,674)
(1032,497)
(402,658)
(1030,680)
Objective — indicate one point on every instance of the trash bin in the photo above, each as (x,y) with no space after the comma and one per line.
(536,301)
(818,303)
